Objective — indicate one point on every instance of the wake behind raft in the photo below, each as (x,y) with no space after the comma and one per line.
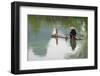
(72,38)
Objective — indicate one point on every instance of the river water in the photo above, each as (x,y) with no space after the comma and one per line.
(41,46)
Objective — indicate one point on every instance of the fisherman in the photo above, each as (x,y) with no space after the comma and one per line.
(73,38)
(73,34)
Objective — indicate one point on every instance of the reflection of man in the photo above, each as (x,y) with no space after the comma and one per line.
(73,34)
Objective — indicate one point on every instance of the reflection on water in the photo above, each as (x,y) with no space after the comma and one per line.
(39,41)
(42,46)
(73,43)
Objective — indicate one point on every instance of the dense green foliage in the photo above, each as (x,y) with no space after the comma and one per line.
(54,21)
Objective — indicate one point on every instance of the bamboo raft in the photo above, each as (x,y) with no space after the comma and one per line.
(55,36)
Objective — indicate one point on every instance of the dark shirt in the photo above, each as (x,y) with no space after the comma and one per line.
(72,33)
